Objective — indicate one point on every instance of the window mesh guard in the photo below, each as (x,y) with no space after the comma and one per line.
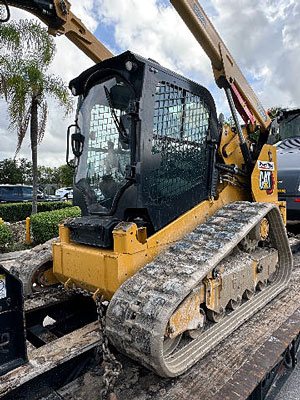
(181,122)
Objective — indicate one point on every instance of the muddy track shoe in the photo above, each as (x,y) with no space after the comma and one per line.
(33,268)
(177,308)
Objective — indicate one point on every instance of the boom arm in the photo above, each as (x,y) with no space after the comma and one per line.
(60,20)
(226,71)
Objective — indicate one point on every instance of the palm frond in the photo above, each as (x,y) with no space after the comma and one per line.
(9,36)
(22,129)
(42,122)
(3,87)
(28,39)
(56,88)
(26,52)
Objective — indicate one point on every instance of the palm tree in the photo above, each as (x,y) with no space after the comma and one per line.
(26,53)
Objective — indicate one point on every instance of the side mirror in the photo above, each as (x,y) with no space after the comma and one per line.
(77,142)
(7,17)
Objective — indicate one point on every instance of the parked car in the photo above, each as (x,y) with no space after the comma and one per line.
(18,193)
(64,193)
(288,161)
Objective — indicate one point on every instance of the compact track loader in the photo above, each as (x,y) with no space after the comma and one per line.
(181,228)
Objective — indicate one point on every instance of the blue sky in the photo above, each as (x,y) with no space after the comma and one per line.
(106,33)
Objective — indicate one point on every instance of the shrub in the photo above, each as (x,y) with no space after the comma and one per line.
(44,225)
(13,212)
(6,236)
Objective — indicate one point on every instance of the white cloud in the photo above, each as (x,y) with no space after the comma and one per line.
(263,37)
(156,31)
(85,11)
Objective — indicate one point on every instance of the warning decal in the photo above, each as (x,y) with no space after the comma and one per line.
(2,287)
(265,165)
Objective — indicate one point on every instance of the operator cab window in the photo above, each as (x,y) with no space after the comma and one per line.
(101,171)
(180,126)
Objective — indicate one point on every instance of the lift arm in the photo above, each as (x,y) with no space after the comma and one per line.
(60,20)
(226,71)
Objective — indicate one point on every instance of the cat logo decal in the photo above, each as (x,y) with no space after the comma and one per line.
(266,177)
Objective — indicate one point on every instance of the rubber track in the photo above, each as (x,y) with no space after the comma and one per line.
(139,311)
(27,264)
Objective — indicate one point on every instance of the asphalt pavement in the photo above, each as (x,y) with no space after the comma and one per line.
(291,388)
(287,387)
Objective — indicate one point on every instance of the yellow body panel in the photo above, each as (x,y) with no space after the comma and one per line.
(264,179)
(282,208)
(230,148)
(105,270)
(264,176)
(264,229)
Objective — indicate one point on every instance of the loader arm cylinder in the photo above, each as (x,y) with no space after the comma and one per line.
(243,145)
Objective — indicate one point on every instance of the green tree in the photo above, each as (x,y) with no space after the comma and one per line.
(26,53)
(15,171)
(66,175)
(26,168)
(10,172)
(47,174)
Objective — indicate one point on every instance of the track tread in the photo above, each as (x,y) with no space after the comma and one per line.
(158,288)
